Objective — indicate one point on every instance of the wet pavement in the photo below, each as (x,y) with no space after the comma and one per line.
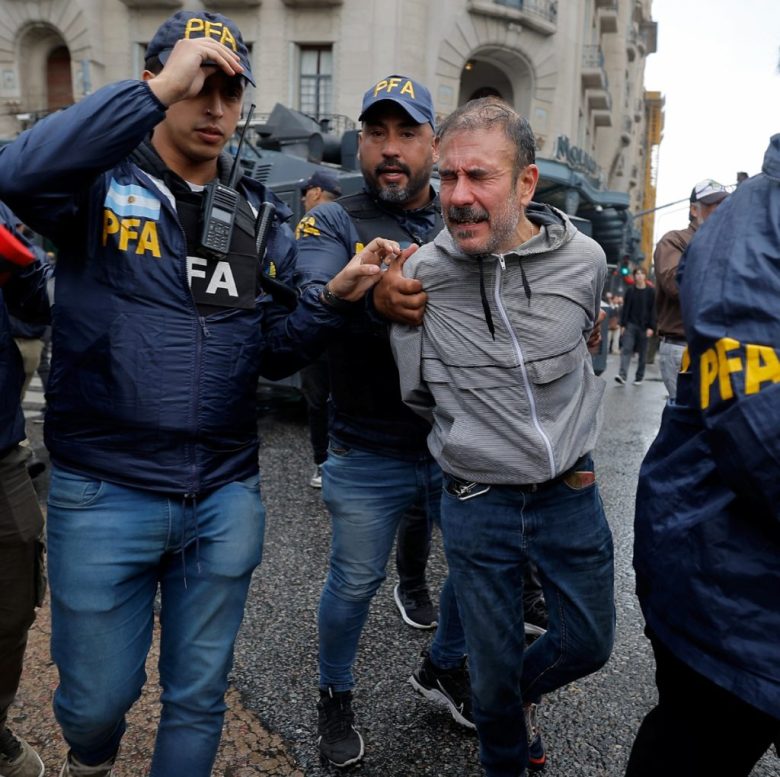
(271,724)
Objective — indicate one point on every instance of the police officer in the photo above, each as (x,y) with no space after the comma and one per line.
(21,521)
(707,528)
(378,465)
(164,317)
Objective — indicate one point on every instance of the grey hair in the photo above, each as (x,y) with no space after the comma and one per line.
(486,113)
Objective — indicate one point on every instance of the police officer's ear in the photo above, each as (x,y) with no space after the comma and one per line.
(152,67)
(435,150)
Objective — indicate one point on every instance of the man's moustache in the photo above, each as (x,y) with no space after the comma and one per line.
(467,215)
(396,167)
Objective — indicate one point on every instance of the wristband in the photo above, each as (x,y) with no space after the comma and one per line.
(337,303)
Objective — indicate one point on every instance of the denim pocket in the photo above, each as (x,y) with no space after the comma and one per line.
(69,490)
(338,450)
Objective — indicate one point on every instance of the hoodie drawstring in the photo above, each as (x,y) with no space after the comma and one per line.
(526,285)
(483,297)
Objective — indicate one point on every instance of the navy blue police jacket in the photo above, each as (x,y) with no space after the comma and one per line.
(365,406)
(144,391)
(25,294)
(707,529)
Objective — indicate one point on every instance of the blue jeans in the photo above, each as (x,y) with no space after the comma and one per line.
(109,549)
(488,540)
(367,494)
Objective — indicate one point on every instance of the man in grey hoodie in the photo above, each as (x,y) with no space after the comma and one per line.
(501,369)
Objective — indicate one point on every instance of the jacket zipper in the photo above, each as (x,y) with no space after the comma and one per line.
(519,354)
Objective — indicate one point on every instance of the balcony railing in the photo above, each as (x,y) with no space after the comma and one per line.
(594,75)
(545,9)
(153,3)
(312,3)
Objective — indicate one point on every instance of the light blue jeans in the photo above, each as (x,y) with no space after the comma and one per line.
(367,494)
(669,361)
(488,540)
(110,547)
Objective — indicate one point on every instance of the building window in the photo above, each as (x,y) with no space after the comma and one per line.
(316,81)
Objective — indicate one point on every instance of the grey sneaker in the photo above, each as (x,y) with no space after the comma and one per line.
(316,478)
(74,768)
(537,758)
(17,758)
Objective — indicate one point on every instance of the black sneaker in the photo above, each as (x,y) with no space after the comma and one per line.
(537,758)
(338,740)
(416,608)
(450,687)
(620,379)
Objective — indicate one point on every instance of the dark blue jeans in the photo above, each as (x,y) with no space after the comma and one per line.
(488,540)
(367,494)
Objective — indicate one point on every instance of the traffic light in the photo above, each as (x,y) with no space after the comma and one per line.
(624,269)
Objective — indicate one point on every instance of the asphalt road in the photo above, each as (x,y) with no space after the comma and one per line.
(588,726)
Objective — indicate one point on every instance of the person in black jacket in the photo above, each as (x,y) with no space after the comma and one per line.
(637,324)
(21,521)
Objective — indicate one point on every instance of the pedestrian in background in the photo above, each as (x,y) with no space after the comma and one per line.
(637,324)
(501,368)
(161,324)
(705,198)
(707,527)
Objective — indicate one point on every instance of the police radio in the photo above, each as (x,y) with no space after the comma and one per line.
(220,204)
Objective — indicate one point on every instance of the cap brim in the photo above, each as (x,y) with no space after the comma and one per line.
(711,199)
(247,74)
(416,116)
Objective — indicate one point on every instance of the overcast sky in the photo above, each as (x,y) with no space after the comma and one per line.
(717,66)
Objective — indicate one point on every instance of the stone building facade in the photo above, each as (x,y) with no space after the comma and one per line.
(575,68)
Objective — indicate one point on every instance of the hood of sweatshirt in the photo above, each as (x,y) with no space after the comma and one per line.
(556,230)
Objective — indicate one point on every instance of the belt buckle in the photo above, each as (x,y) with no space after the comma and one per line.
(465,489)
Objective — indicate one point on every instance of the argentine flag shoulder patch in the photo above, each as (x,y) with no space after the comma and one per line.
(130,200)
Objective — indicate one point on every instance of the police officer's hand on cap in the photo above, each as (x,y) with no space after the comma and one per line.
(184,73)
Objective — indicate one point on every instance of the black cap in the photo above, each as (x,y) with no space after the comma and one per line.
(325,180)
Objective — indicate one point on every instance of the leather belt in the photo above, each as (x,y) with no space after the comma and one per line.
(674,340)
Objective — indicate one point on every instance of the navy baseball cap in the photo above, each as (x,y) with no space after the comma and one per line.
(411,95)
(199,24)
(323,179)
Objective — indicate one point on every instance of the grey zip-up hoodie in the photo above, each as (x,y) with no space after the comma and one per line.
(523,407)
